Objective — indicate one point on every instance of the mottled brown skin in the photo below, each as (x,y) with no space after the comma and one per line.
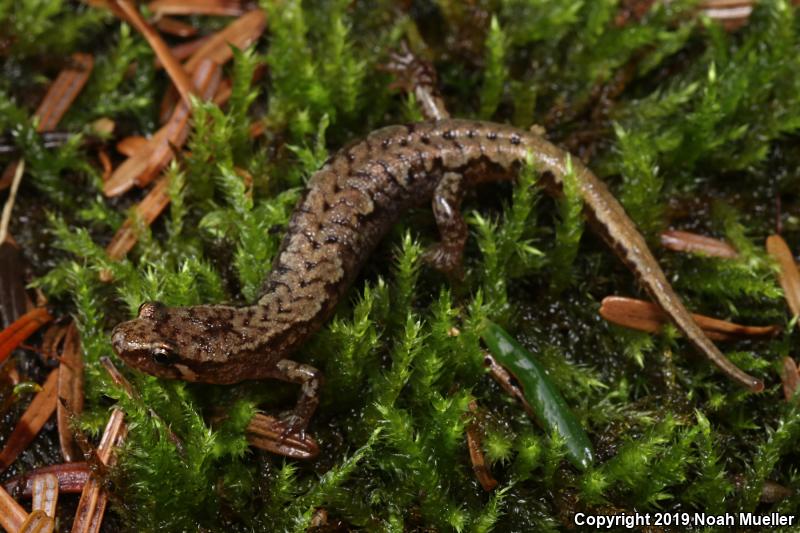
(350,204)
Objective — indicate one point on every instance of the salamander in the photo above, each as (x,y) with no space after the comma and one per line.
(349,205)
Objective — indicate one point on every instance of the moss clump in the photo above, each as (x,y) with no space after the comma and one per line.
(668,106)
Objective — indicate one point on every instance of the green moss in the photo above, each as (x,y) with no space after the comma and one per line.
(496,71)
(44,26)
(568,231)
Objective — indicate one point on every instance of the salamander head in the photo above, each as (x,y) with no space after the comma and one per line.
(168,342)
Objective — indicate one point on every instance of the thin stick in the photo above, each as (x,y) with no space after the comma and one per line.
(6,217)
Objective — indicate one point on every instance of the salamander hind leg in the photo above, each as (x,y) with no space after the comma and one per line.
(310,380)
(446,255)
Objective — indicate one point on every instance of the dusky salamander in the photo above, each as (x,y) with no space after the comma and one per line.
(350,204)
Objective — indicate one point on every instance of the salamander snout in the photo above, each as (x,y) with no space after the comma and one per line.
(136,343)
(118,339)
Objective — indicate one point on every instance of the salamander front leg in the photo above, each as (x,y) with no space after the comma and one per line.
(310,379)
(446,255)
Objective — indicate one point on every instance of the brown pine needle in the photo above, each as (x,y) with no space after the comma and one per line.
(172,65)
(128,146)
(147,211)
(118,378)
(59,97)
(37,522)
(125,385)
(175,27)
(790,377)
(21,329)
(476,457)
(788,275)
(64,90)
(94,498)
(150,207)
(684,241)
(70,393)
(240,34)
(648,317)
(71,479)
(45,494)
(230,8)
(144,165)
(31,422)
(105,163)
(12,515)
(185,50)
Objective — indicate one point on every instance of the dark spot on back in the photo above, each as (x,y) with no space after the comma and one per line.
(515,138)
(491,135)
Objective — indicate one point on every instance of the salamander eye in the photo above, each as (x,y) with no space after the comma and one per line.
(163,356)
